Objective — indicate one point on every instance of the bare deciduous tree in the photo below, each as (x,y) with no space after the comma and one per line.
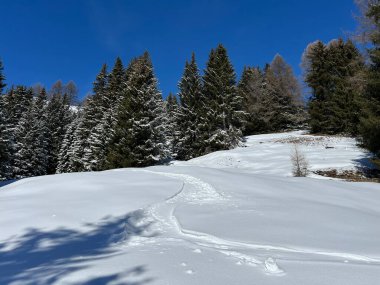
(299,162)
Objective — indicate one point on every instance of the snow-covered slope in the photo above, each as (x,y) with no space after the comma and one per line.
(231,217)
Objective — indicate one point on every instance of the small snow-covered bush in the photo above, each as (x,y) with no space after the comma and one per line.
(299,162)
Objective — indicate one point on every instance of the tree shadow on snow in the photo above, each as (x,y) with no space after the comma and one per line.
(7,182)
(43,257)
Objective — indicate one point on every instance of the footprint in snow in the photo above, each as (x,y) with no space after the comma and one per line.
(272,268)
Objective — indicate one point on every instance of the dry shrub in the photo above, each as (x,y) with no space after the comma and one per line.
(299,162)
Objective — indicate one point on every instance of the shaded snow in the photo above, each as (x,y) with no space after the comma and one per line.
(231,217)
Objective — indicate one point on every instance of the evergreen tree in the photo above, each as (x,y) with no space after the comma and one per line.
(4,143)
(21,126)
(38,135)
(59,116)
(189,118)
(139,134)
(4,140)
(66,155)
(116,82)
(2,78)
(86,123)
(171,132)
(222,103)
(102,130)
(335,103)
(370,122)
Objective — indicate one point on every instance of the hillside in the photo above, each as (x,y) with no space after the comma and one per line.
(230,217)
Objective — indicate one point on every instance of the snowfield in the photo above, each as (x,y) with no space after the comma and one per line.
(230,217)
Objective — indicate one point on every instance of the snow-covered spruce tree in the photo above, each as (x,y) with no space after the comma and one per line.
(222,105)
(251,89)
(171,129)
(65,156)
(23,133)
(4,143)
(189,116)
(16,104)
(30,158)
(86,122)
(40,116)
(59,116)
(139,134)
(102,131)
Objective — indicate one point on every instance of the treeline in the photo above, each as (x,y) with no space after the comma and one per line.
(345,83)
(32,128)
(126,122)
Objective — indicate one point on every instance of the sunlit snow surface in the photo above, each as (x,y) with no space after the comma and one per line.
(230,217)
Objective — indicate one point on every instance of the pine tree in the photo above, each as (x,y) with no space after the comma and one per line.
(139,134)
(222,103)
(190,118)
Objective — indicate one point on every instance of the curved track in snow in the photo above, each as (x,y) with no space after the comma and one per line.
(164,226)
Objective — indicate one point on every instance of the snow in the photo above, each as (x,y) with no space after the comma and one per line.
(230,217)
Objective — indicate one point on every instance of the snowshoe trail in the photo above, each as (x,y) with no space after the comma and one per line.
(163,226)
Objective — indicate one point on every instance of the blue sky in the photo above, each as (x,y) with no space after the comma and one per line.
(42,41)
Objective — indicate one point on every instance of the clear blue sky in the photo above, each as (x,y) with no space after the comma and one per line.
(42,41)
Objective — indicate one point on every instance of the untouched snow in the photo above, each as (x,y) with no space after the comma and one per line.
(230,217)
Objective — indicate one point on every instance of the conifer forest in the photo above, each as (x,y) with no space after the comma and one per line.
(128,122)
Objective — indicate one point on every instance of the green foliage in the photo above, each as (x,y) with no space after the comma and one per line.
(222,104)
(370,122)
(139,133)
(331,73)
(190,118)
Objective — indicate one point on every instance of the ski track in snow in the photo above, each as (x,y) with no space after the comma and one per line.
(164,226)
